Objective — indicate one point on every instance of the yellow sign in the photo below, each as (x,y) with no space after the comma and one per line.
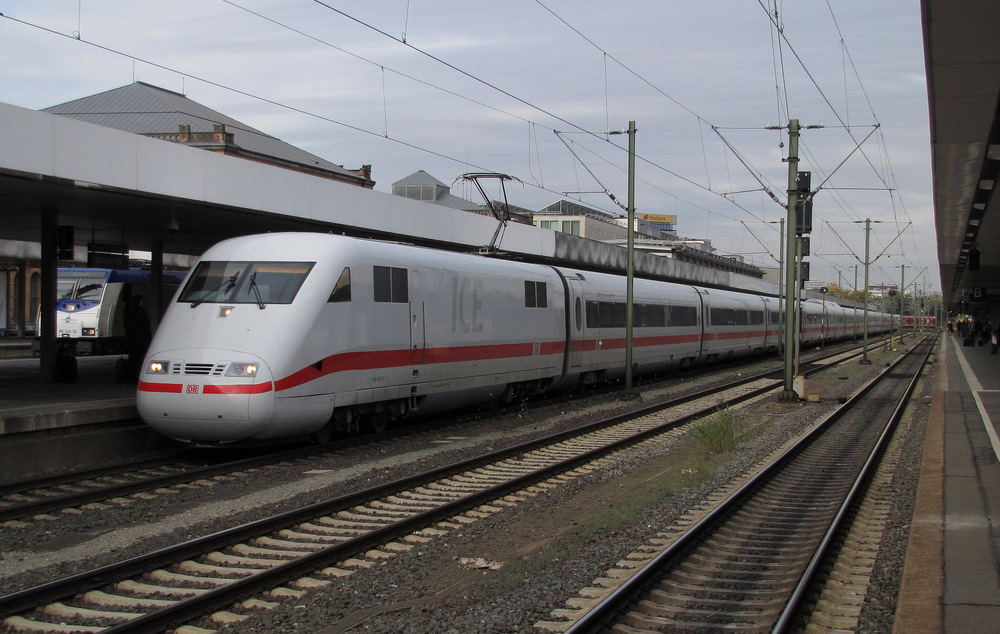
(671,220)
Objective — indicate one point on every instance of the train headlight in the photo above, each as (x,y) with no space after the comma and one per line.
(90,332)
(242,369)
(158,367)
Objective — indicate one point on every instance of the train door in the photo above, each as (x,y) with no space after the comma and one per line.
(703,322)
(417,333)
(576,322)
(770,327)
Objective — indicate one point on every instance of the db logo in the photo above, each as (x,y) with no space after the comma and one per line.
(192,389)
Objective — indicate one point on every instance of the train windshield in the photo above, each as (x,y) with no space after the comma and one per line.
(81,285)
(245,282)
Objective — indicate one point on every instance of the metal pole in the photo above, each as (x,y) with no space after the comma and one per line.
(782,298)
(902,300)
(824,326)
(797,300)
(631,250)
(788,394)
(864,355)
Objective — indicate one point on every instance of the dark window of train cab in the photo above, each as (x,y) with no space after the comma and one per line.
(391,285)
(535,295)
(342,290)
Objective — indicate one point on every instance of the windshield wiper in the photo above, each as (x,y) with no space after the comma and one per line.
(256,291)
(229,284)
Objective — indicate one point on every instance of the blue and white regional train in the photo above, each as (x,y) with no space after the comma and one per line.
(90,306)
(296,334)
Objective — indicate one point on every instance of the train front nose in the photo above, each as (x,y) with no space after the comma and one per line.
(206,396)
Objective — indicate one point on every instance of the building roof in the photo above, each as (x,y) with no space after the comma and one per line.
(571,208)
(420,177)
(142,108)
(422,186)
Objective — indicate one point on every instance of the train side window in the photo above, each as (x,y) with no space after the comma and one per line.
(391,285)
(535,294)
(683,316)
(593,315)
(342,290)
(648,316)
(618,315)
(579,314)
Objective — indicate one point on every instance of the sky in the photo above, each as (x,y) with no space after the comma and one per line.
(531,88)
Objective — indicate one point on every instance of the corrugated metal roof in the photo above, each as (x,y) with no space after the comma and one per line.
(420,177)
(142,108)
(422,186)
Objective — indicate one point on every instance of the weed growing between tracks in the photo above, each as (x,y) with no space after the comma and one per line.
(722,432)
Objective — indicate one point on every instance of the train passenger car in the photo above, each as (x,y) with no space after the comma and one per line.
(811,324)
(734,324)
(837,322)
(666,320)
(922,321)
(258,346)
(90,306)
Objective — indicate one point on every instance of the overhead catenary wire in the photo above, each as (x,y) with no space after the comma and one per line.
(384,132)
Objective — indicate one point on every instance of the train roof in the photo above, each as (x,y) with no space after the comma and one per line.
(130,276)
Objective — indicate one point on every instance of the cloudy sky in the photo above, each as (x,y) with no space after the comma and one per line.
(530,88)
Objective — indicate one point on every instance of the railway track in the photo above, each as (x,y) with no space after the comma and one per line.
(317,544)
(77,490)
(751,562)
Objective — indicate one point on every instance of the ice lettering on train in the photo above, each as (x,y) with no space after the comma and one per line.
(466,304)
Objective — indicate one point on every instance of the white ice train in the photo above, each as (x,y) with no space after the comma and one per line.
(296,334)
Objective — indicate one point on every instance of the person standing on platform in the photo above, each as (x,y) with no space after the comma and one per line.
(137,335)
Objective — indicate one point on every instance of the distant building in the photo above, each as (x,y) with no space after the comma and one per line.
(422,186)
(144,109)
(881,290)
(662,222)
(575,219)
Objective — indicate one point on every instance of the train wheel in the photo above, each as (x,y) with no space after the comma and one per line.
(510,394)
(376,422)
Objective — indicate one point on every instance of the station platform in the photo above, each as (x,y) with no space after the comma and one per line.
(47,428)
(951,576)
(28,404)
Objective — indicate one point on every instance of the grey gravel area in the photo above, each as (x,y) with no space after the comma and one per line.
(427,589)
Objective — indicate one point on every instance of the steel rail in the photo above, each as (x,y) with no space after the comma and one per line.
(69,500)
(610,607)
(76,584)
(784,622)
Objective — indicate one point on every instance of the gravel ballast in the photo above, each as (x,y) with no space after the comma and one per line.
(526,560)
